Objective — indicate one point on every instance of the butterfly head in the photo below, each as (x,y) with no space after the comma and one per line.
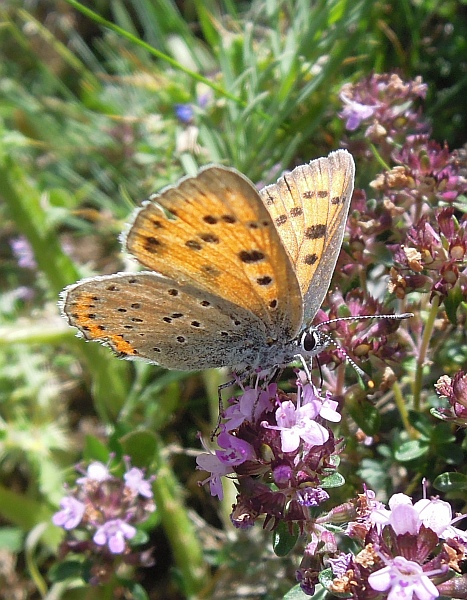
(312,341)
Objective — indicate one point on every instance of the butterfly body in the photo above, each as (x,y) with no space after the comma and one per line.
(234,276)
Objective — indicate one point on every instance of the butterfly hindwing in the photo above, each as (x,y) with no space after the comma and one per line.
(144,315)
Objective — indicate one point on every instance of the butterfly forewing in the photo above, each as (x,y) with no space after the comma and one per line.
(309,207)
(145,315)
(214,232)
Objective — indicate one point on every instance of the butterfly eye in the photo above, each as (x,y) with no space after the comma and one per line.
(311,340)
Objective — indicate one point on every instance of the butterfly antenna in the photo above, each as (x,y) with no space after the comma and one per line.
(349,359)
(361,317)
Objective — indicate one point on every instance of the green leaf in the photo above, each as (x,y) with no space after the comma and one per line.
(451,453)
(325,578)
(11,539)
(333,481)
(140,446)
(95,450)
(452,302)
(411,450)
(451,482)
(22,511)
(69,569)
(140,538)
(367,417)
(138,592)
(283,541)
(422,423)
(442,434)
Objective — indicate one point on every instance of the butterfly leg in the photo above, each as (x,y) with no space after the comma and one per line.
(305,366)
(220,388)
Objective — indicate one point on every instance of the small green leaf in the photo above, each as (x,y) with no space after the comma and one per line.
(69,569)
(334,460)
(283,541)
(11,539)
(140,538)
(442,434)
(367,417)
(451,482)
(451,303)
(451,453)
(22,511)
(325,578)
(422,423)
(95,450)
(411,450)
(333,481)
(141,446)
(438,414)
(138,592)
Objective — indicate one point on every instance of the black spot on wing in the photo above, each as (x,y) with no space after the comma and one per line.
(310,259)
(281,220)
(251,256)
(296,211)
(314,232)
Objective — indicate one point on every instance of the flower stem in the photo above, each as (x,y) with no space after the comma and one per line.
(402,408)
(213,378)
(180,531)
(427,333)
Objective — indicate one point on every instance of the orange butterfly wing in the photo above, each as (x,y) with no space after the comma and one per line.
(213,232)
(144,315)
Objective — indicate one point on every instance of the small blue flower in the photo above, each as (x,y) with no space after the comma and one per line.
(184,112)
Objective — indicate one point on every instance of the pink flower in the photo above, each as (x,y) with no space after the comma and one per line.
(403,578)
(249,406)
(96,471)
(235,452)
(297,423)
(134,479)
(355,112)
(407,518)
(71,514)
(212,464)
(114,533)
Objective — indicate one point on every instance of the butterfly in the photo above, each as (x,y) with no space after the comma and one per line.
(234,276)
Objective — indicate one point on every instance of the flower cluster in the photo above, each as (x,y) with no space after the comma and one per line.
(417,215)
(280,451)
(383,104)
(102,512)
(455,390)
(432,258)
(23,252)
(426,184)
(406,551)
